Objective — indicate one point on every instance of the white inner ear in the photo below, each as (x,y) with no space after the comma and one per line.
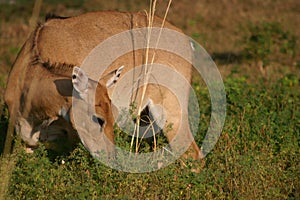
(80,81)
(115,77)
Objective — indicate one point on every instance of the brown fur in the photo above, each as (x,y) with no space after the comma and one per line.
(58,45)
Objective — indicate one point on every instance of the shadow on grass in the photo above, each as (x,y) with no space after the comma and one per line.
(227,57)
(3,126)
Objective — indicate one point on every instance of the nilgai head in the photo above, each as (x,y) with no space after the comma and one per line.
(95,94)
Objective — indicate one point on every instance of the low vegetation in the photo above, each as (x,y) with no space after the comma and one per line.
(257,156)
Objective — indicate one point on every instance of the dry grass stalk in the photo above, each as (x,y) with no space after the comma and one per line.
(35,14)
(6,169)
(147,70)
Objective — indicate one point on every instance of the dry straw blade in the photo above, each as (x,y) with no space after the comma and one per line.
(148,68)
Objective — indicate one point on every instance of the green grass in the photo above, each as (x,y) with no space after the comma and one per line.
(257,156)
(266,39)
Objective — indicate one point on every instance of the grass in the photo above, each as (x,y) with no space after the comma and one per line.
(257,155)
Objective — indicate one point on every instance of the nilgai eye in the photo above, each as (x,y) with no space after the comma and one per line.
(74,77)
(98,120)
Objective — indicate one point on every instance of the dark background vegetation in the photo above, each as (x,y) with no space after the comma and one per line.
(255,45)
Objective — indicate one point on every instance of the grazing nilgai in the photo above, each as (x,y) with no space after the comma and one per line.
(40,85)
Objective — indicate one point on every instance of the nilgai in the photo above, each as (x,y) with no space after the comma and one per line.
(40,85)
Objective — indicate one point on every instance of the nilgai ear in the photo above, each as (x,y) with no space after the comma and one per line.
(80,80)
(115,77)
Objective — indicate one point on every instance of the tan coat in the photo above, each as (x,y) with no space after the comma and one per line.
(39,85)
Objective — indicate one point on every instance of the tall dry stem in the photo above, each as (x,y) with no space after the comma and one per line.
(148,68)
